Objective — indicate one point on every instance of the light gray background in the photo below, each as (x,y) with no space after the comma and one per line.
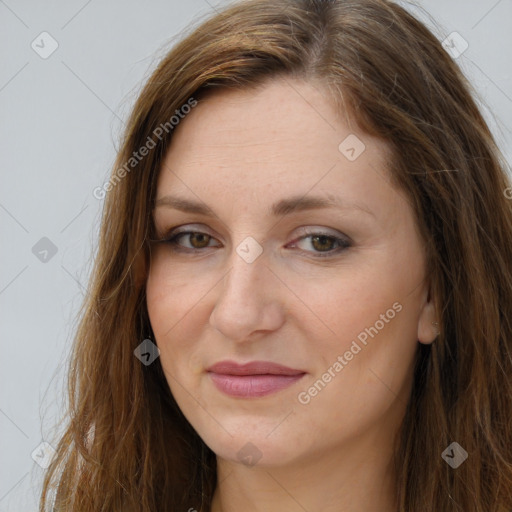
(60,121)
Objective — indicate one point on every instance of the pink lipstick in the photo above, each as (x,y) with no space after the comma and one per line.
(252,380)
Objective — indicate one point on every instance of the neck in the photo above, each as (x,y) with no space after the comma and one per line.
(354,478)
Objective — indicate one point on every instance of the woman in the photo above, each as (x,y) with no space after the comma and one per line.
(309,218)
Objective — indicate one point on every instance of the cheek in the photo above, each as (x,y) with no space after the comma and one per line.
(361,374)
(349,301)
(176,303)
(171,292)
(368,316)
(169,298)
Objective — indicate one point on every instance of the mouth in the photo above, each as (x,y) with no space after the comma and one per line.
(254,379)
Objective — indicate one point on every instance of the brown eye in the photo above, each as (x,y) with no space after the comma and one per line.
(322,242)
(322,245)
(197,240)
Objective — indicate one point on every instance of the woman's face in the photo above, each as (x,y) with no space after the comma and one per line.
(302,254)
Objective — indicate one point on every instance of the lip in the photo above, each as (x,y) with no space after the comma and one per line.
(253,379)
(252,368)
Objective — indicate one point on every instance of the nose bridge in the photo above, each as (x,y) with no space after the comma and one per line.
(245,302)
(242,284)
(247,267)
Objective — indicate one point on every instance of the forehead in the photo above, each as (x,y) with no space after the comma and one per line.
(283,138)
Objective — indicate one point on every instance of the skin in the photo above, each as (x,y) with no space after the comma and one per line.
(239,152)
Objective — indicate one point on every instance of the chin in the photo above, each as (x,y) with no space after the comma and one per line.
(250,447)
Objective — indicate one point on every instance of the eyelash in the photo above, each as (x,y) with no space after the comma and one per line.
(343,244)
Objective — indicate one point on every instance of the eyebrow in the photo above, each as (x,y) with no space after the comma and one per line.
(281,208)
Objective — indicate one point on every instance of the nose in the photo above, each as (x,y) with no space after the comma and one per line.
(248,300)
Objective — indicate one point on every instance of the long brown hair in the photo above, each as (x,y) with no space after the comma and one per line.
(127,445)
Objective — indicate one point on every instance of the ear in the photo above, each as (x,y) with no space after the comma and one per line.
(428,329)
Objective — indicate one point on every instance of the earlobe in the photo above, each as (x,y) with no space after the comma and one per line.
(428,325)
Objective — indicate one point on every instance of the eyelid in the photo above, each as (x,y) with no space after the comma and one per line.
(305,230)
(171,234)
(318,230)
(343,241)
(177,230)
